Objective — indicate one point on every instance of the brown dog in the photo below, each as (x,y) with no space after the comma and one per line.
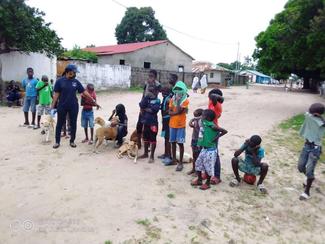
(102,122)
(103,133)
(130,149)
(134,136)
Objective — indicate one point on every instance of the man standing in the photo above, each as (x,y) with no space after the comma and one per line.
(29,85)
(65,90)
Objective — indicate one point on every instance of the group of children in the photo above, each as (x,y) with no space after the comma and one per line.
(205,136)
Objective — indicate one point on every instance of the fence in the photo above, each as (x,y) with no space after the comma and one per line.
(103,76)
(140,75)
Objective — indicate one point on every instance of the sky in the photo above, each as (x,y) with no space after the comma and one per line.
(213,28)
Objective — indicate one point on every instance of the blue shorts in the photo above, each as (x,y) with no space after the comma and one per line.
(30,103)
(87,119)
(308,159)
(177,135)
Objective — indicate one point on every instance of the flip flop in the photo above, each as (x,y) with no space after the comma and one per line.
(204,187)
(84,140)
(179,167)
(196,182)
(73,145)
(56,145)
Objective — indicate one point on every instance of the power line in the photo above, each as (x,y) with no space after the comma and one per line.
(183,33)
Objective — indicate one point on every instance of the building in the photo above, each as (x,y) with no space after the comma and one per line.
(160,55)
(215,73)
(257,77)
(13,65)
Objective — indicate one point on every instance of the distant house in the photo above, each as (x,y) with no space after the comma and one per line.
(215,73)
(257,77)
(160,55)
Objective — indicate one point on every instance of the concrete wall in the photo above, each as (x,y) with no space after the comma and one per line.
(103,76)
(164,56)
(14,65)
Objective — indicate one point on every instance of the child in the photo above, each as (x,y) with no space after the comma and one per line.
(122,132)
(207,140)
(215,104)
(149,106)
(167,94)
(252,163)
(178,108)
(13,94)
(151,84)
(45,98)
(87,114)
(195,124)
(312,131)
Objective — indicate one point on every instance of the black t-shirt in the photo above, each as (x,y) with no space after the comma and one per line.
(68,89)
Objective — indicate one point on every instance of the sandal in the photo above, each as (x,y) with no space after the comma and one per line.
(161,156)
(304,196)
(215,181)
(90,142)
(262,188)
(191,172)
(84,140)
(73,145)
(196,182)
(234,183)
(204,176)
(179,167)
(205,187)
(56,145)
(151,160)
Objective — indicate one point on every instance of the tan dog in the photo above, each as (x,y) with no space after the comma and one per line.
(102,122)
(134,136)
(103,133)
(187,158)
(47,127)
(130,149)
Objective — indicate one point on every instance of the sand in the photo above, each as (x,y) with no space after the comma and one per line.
(65,196)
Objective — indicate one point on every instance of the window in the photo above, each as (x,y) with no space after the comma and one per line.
(122,62)
(211,75)
(146,65)
(180,68)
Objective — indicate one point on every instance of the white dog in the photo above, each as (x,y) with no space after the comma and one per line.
(47,127)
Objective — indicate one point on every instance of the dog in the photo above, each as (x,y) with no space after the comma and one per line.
(47,126)
(134,136)
(187,158)
(130,149)
(103,133)
(102,122)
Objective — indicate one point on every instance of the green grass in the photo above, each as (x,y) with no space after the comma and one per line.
(136,89)
(108,242)
(171,195)
(144,222)
(290,137)
(293,123)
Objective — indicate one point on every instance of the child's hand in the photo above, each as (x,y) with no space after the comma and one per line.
(114,111)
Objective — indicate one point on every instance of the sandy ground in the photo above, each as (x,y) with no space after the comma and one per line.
(63,196)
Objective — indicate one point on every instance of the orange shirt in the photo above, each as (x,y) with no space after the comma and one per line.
(217,110)
(179,120)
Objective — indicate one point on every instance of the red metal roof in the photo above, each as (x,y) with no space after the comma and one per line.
(122,48)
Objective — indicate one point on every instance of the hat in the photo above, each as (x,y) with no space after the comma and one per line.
(72,67)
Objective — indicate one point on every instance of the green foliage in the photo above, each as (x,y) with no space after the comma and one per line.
(78,53)
(23,28)
(139,25)
(294,42)
(144,222)
(248,64)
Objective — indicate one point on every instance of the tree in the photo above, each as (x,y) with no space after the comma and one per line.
(23,29)
(294,42)
(78,53)
(139,25)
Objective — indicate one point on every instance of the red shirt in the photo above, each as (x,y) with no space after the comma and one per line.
(217,110)
(86,103)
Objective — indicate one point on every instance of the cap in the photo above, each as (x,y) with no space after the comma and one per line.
(72,67)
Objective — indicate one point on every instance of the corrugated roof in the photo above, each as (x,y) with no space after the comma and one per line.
(254,72)
(201,66)
(122,48)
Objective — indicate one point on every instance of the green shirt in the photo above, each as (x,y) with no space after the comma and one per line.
(44,94)
(313,129)
(209,135)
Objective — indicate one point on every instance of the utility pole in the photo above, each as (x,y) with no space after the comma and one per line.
(237,61)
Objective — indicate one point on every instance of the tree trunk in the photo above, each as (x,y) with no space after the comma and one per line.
(306,83)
